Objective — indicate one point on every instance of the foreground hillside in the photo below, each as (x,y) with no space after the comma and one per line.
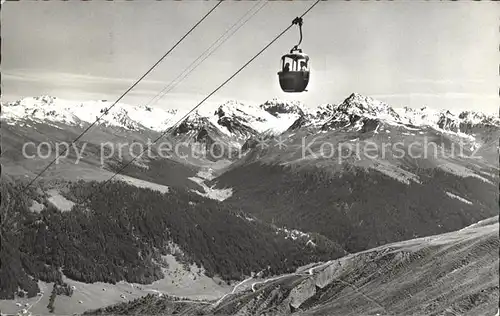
(449,274)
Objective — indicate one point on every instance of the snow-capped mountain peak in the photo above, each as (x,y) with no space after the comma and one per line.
(51,109)
(245,112)
(234,115)
(276,106)
(48,99)
(420,117)
(448,121)
(473,117)
(356,109)
(39,108)
(366,106)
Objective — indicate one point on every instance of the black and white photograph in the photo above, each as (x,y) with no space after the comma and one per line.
(249,158)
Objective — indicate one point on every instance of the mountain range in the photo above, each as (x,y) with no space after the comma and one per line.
(253,192)
(230,125)
(234,118)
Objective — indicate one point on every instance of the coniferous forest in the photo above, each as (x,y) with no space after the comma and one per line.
(360,209)
(119,232)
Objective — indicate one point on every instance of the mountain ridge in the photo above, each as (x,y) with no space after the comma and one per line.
(241,120)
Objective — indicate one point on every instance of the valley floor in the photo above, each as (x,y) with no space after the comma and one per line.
(177,282)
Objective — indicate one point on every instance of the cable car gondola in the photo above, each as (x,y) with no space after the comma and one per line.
(295,70)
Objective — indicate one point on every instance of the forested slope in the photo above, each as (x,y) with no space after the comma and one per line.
(119,232)
(359,208)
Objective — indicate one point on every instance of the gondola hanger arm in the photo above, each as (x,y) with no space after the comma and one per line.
(298,21)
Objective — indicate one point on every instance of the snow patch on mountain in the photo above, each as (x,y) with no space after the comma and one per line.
(193,124)
(322,113)
(59,201)
(462,171)
(449,122)
(295,234)
(246,217)
(236,119)
(454,196)
(395,172)
(446,120)
(457,134)
(475,118)
(244,115)
(420,117)
(38,109)
(209,192)
(142,184)
(276,106)
(292,234)
(36,207)
(314,118)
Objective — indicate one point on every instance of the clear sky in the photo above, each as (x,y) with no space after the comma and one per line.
(441,54)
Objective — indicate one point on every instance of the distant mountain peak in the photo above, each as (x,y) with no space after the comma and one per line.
(357,108)
(277,106)
(45,98)
(473,117)
(240,110)
(47,108)
(194,122)
(38,101)
(365,105)
(233,103)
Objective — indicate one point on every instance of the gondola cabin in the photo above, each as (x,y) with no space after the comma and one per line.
(294,73)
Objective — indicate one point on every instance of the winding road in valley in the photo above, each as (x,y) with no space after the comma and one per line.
(309,272)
